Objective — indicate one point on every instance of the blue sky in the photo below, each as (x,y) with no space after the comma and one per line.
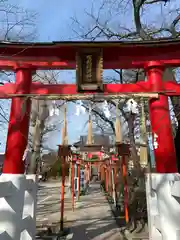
(54,16)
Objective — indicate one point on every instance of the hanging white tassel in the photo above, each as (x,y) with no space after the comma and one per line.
(106,110)
(53,110)
(79,108)
(83,110)
(56,111)
(132,106)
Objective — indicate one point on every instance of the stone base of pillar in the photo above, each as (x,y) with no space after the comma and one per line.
(163,205)
(18,206)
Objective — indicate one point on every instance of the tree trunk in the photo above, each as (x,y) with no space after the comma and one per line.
(134,153)
(37,140)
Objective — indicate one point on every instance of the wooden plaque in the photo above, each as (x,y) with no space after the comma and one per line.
(89,69)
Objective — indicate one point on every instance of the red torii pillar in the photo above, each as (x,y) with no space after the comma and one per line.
(164,150)
(165,155)
(14,167)
(18,129)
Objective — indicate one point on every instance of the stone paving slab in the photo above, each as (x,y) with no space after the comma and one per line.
(48,204)
(48,209)
(92,218)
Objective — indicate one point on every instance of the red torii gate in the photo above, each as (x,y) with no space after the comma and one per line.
(25,58)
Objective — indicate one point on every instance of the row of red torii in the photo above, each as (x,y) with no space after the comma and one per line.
(108,169)
(89,58)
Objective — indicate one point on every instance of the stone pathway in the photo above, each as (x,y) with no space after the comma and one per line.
(92,218)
